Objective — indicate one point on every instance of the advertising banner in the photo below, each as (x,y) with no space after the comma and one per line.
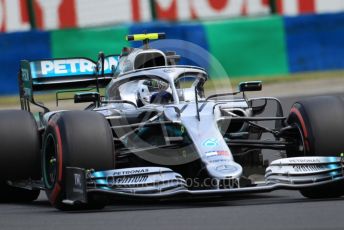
(59,14)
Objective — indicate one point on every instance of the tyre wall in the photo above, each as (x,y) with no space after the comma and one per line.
(264,46)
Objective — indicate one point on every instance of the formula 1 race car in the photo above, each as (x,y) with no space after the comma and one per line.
(155,135)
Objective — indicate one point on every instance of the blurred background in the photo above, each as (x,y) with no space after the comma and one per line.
(276,40)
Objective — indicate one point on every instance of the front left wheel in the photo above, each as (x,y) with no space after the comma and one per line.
(80,139)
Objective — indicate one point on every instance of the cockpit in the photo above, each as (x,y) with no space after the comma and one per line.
(159,86)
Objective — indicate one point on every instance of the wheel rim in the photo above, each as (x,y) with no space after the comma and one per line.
(50,162)
(301,141)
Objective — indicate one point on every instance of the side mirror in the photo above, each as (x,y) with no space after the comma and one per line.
(250,86)
(86,97)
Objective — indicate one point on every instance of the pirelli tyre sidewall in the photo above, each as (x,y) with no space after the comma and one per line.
(52,140)
(299,119)
(74,139)
(320,120)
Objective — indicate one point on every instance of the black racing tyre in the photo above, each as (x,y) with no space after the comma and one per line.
(332,190)
(19,154)
(321,122)
(321,125)
(9,194)
(75,139)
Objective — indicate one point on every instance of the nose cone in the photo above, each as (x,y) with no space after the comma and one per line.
(229,169)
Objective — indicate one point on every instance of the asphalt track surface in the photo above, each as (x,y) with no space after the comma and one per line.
(275,210)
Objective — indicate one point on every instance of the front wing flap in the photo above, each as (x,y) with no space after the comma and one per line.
(304,170)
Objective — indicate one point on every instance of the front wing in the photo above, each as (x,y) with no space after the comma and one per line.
(160,183)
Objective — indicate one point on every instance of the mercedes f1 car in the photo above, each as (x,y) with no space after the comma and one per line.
(154,135)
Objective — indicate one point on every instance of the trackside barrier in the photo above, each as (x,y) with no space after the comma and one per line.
(315,42)
(266,46)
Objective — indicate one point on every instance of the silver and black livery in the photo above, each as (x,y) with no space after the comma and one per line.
(154,134)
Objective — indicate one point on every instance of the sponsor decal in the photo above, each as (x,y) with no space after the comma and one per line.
(132,179)
(168,70)
(222,153)
(77,188)
(77,180)
(217,153)
(113,181)
(305,160)
(226,168)
(212,142)
(70,67)
(131,172)
(219,161)
(25,74)
(211,154)
(309,168)
(58,14)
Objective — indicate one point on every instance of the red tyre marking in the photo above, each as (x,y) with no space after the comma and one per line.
(299,116)
(57,187)
(54,194)
(59,152)
(303,125)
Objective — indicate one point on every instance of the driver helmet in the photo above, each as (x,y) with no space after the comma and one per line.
(144,94)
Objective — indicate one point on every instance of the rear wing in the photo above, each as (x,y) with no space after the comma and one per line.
(68,73)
